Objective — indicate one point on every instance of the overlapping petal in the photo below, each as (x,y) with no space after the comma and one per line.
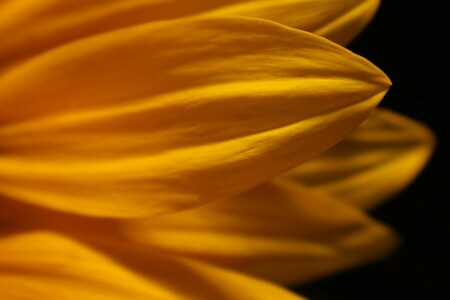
(280,231)
(109,110)
(18,216)
(42,265)
(39,25)
(377,161)
(337,20)
(165,116)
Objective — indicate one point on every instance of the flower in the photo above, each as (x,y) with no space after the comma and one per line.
(140,139)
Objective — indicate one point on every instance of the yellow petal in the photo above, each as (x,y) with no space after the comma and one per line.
(279,231)
(161,117)
(47,266)
(337,20)
(28,27)
(377,161)
(16,216)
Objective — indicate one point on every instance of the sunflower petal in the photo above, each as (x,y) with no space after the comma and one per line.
(17,216)
(371,165)
(337,20)
(46,266)
(42,25)
(166,116)
(279,231)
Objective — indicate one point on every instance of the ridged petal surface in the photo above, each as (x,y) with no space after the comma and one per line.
(29,27)
(165,116)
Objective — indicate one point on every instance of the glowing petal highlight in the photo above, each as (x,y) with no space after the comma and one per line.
(165,116)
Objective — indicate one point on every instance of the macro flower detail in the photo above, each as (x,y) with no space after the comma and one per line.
(41,25)
(155,150)
(267,95)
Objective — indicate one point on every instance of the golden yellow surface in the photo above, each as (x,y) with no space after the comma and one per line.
(173,149)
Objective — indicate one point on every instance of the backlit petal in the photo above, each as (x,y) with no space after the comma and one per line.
(28,27)
(279,231)
(378,160)
(161,117)
(47,266)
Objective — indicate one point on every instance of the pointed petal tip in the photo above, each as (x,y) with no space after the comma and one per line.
(372,7)
(311,115)
(387,81)
(389,242)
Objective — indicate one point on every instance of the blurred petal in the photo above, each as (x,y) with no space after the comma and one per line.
(39,25)
(48,266)
(162,117)
(279,231)
(375,162)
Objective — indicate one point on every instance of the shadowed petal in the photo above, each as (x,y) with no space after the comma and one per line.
(28,27)
(279,231)
(161,117)
(377,161)
(18,216)
(46,266)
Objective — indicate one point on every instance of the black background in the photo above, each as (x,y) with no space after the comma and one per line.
(410,41)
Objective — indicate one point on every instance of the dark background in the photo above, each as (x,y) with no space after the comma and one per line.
(410,41)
